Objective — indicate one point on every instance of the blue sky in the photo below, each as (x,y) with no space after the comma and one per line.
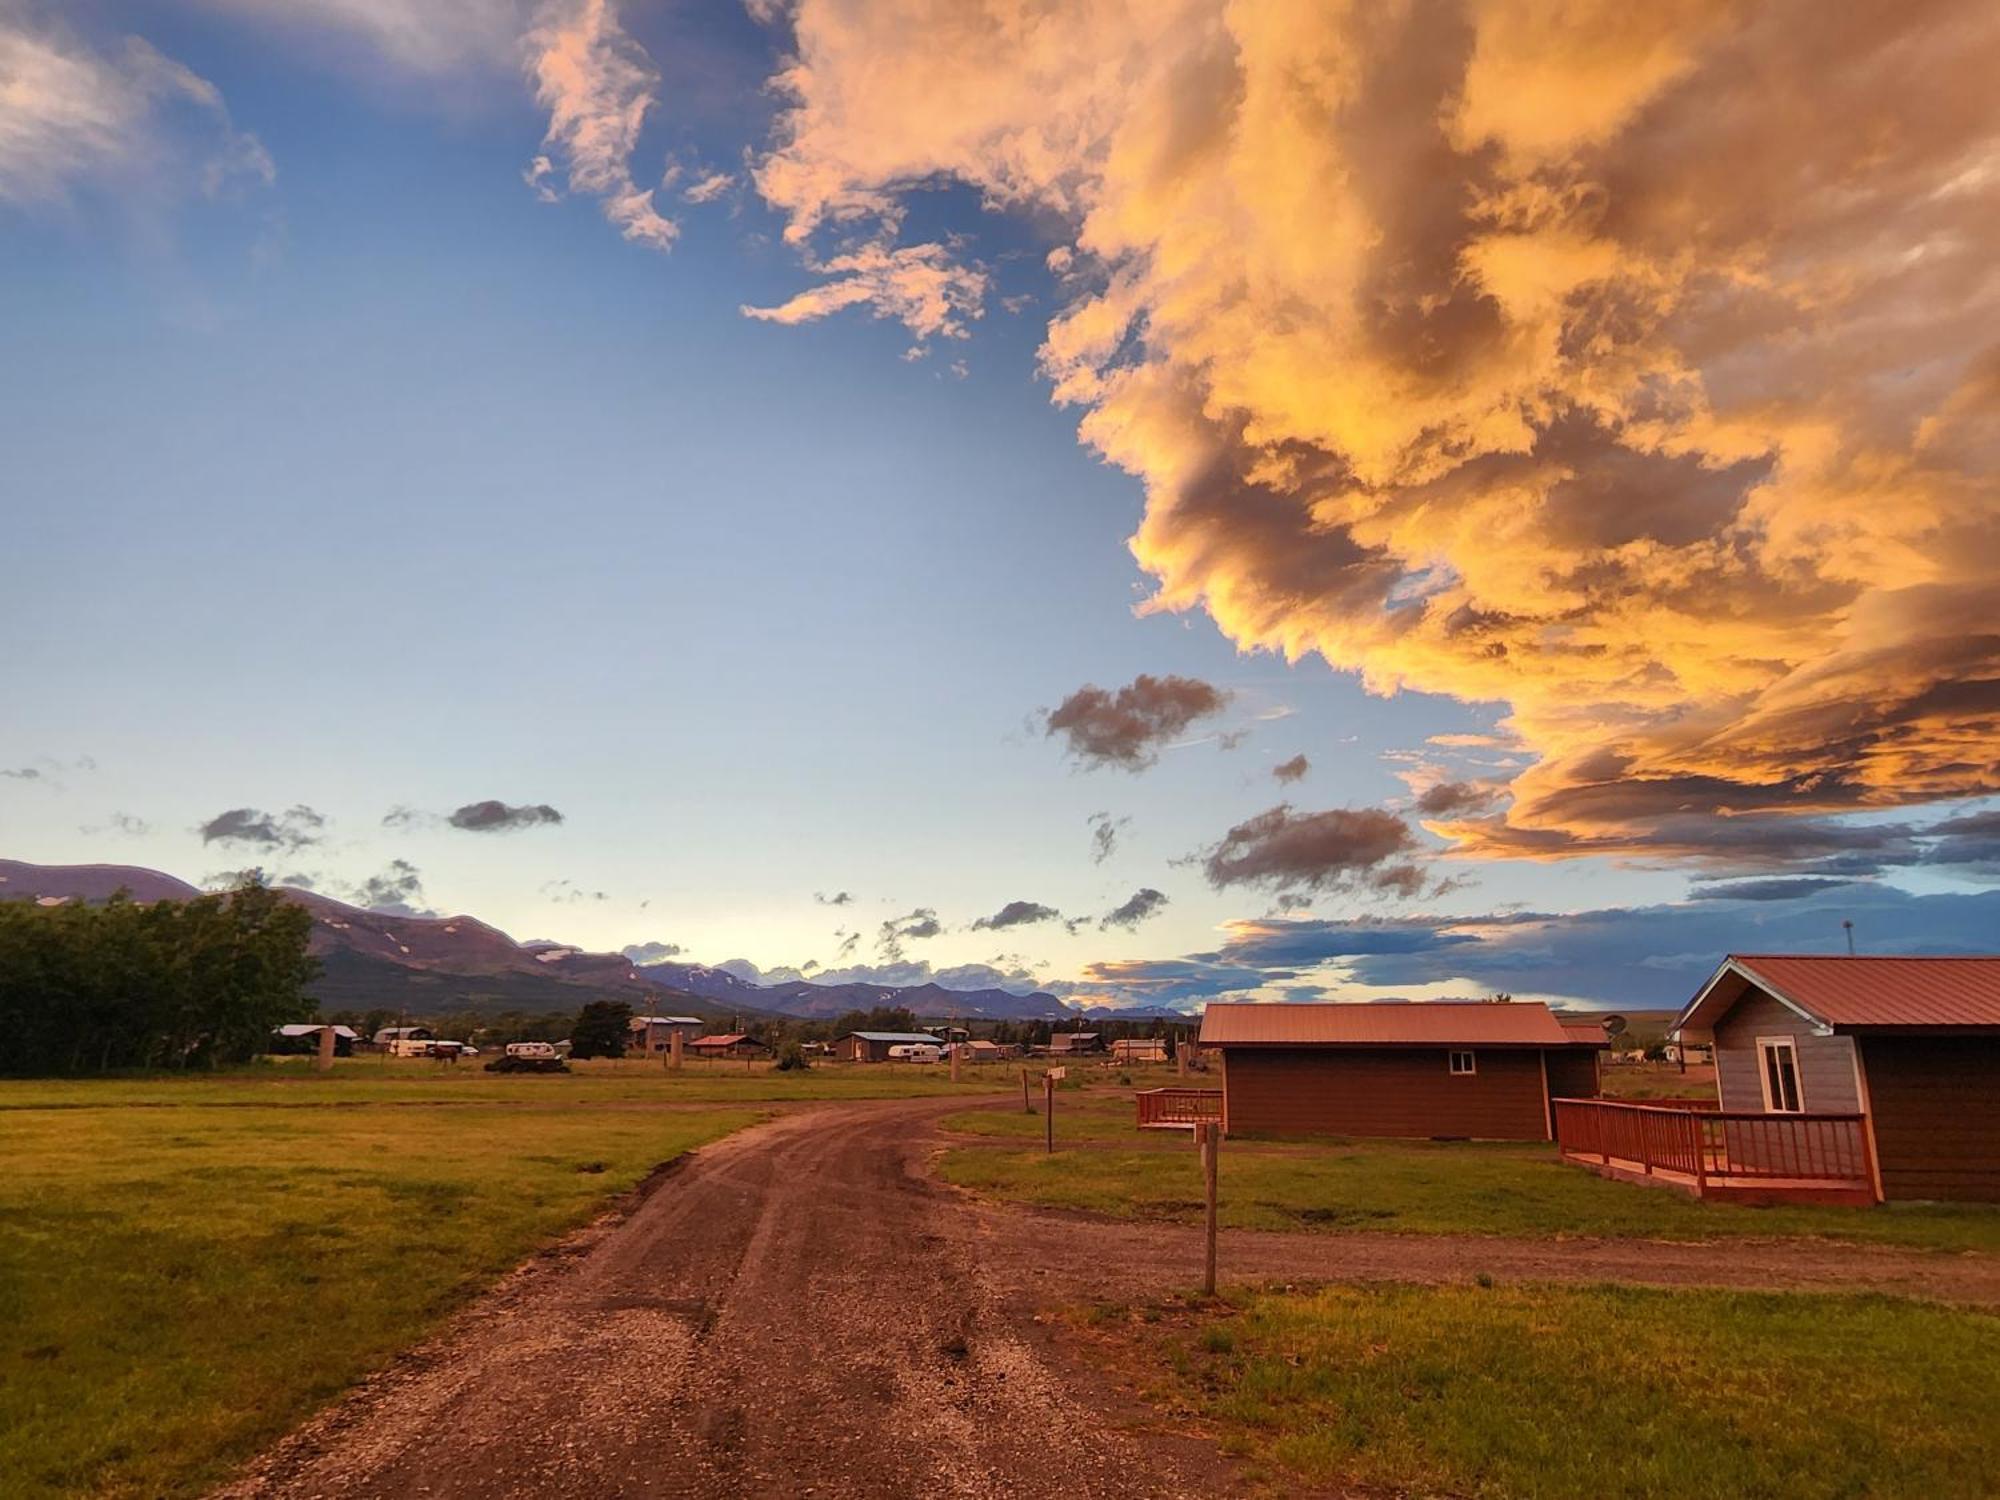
(373,481)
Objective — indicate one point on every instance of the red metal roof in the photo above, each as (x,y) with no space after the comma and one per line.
(1471,1023)
(1586,1033)
(1842,991)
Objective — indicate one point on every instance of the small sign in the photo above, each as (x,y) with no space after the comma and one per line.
(1058,1074)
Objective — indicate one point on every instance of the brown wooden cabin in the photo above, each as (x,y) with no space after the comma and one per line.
(653,1036)
(1912,1045)
(1442,1069)
(731,1044)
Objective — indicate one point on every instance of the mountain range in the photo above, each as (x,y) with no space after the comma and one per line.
(428,965)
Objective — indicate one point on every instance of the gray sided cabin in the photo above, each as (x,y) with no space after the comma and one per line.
(873,1046)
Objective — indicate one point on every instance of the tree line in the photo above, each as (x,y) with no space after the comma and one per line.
(165,984)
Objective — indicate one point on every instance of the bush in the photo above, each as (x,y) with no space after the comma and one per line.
(527,1065)
(793,1059)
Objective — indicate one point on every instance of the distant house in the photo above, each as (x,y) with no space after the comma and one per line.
(303,1036)
(729,1044)
(1440,1069)
(1076,1041)
(653,1035)
(985,1051)
(1139,1050)
(1910,1044)
(405,1041)
(873,1046)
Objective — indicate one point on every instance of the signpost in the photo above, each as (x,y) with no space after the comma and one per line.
(1210,1136)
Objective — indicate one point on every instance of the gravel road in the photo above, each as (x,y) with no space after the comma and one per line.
(802,1310)
(796,1312)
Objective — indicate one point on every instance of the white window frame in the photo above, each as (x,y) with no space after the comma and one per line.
(1766,1046)
(1471,1067)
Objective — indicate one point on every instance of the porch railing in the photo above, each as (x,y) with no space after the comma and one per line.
(1176,1107)
(1722,1147)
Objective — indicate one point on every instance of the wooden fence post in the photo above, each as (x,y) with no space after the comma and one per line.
(1027,1105)
(674,1050)
(1211,1147)
(955,1060)
(1049,1118)
(324,1062)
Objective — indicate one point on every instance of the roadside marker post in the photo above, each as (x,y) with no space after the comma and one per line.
(1211,1144)
(1049,1110)
(324,1062)
(674,1050)
(1027,1104)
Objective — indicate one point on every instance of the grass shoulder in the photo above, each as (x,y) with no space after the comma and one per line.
(1582,1392)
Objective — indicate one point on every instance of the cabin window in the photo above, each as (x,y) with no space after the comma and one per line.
(1463,1062)
(1781,1075)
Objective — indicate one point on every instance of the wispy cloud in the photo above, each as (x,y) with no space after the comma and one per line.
(1129,726)
(499,817)
(295,828)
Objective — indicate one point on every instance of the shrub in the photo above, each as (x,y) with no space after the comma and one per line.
(793,1059)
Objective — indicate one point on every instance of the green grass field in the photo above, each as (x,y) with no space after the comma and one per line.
(1105,1165)
(181,1283)
(1581,1393)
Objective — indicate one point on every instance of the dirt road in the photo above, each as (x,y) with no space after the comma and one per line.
(793,1313)
(802,1311)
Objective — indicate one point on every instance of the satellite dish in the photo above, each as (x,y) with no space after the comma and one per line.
(1614,1026)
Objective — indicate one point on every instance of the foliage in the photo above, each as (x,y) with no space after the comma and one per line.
(167,984)
(181,1283)
(600,1029)
(1582,1393)
(793,1059)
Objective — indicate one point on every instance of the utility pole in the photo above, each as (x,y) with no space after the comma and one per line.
(1211,1147)
(1849,925)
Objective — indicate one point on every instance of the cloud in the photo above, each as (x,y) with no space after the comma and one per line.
(498,817)
(569,892)
(838,898)
(652,953)
(1480,357)
(427,36)
(1342,849)
(1016,914)
(849,941)
(707,187)
(912,927)
(398,890)
(1136,908)
(1781,889)
(1967,846)
(294,828)
(121,823)
(597,85)
(1105,832)
(1449,798)
(123,116)
(919,286)
(1291,770)
(1128,727)
(22,773)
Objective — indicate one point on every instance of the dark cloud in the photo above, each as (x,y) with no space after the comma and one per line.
(298,880)
(1968,847)
(401,816)
(1163,981)
(1340,849)
(1291,770)
(1016,914)
(570,892)
(1105,831)
(1126,728)
(838,898)
(652,953)
(912,927)
(294,828)
(498,817)
(121,823)
(1449,798)
(398,890)
(849,941)
(229,880)
(22,773)
(1781,888)
(1140,905)
(1231,739)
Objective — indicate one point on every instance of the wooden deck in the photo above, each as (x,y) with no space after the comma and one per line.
(1717,1154)
(1178,1108)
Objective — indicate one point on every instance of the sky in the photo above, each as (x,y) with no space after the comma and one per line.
(1149,502)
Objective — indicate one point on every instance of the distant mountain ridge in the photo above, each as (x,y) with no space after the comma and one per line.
(432,964)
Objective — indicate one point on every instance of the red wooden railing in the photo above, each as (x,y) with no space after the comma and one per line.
(1178,1107)
(1711,1145)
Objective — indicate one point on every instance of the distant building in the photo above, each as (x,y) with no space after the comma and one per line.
(303,1037)
(1150,1049)
(873,1046)
(653,1035)
(1076,1041)
(728,1044)
(405,1041)
(1449,1068)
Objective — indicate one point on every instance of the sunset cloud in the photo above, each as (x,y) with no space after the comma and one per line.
(1342,849)
(597,85)
(1627,366)
(1127,728)
(492,816)
(1016,914)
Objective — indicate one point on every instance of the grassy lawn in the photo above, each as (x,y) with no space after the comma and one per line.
(1104,1165)
(1582,1392)
(181,1284)
(408,1080)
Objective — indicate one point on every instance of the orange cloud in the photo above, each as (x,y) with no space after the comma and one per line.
(1632,367)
